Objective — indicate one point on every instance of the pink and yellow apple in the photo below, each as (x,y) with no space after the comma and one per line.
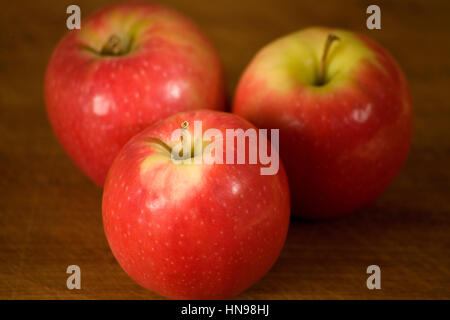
(196,230)
(344,111)
(129,65)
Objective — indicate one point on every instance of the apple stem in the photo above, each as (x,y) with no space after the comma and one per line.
(184,125)
(322,66)
(159,142)
(113,46)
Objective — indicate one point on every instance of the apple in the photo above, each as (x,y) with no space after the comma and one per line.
(343,108)
(128,66)
(193,230)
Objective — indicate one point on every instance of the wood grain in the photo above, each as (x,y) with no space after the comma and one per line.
(50,214)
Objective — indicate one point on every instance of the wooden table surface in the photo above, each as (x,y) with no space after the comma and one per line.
(50,214)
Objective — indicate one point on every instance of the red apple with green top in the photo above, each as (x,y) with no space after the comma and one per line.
(193,230)
(128,66)
(344,111)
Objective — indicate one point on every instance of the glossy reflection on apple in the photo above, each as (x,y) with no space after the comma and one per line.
(129,65)
(344,111)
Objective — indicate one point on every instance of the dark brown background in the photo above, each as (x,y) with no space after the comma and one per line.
(50,214)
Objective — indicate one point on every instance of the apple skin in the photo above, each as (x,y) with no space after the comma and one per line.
(96,102)
(342,143)
(195,231)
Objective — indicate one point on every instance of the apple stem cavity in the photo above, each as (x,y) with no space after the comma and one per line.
(321,75)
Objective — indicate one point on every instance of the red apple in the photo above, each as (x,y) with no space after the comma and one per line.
(344,111)
(196,230)
(129,65)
